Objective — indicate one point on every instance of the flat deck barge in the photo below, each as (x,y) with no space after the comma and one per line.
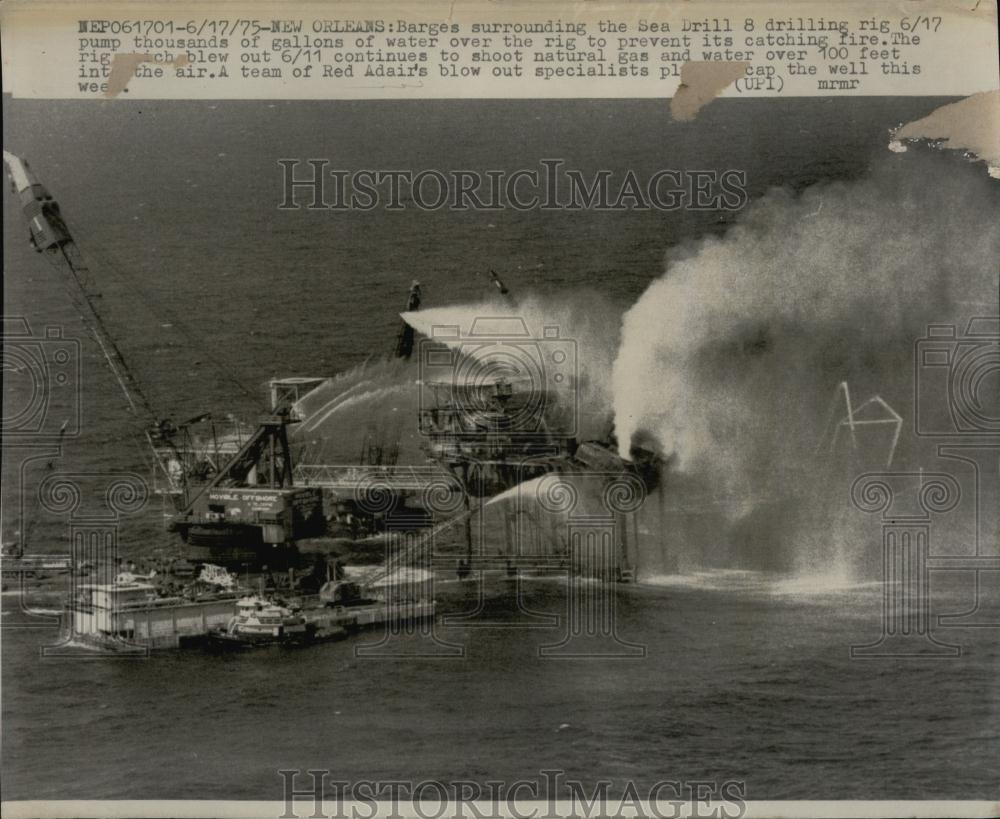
(130,613)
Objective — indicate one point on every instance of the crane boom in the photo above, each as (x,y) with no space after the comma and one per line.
(50,235)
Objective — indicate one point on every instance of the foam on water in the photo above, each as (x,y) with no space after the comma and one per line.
(737,581)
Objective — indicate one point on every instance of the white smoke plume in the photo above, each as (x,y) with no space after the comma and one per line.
(731,358)
(729,361)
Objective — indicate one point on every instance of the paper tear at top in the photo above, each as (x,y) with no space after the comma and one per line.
(971,124)
(123,68)
(702,82)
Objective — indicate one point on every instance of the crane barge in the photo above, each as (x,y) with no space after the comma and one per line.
(243,511)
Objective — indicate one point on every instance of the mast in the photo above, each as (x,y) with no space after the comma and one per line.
(404,341)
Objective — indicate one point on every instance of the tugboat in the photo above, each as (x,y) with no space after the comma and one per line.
(259,621)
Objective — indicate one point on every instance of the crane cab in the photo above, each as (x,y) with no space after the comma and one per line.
(45,222)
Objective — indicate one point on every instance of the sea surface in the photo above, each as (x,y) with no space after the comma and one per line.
(210,290)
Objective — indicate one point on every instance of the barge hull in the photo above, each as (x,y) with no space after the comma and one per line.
(188,624)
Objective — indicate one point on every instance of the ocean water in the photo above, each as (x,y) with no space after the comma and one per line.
(211,289)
